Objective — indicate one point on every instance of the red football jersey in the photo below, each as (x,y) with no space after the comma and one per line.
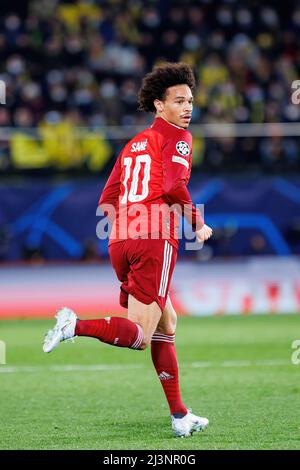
(149,176)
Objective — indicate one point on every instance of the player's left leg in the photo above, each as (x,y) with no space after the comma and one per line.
(164,358)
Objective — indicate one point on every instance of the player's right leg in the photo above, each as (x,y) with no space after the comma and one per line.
(134,332)
(117,331)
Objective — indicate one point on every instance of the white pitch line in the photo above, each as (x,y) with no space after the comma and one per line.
(70,368)
(264,362)
(114,367)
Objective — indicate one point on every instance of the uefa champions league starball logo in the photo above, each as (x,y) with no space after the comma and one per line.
(183,148)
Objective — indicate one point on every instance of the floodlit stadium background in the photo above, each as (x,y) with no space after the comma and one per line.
(71,72)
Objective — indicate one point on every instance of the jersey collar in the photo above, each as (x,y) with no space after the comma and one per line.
(160,122)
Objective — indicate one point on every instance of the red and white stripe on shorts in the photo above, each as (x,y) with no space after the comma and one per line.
(168,251)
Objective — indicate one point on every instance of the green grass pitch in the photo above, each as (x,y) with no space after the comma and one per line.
(235,370)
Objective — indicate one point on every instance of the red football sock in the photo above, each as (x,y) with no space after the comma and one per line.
(165,362)
(117,331)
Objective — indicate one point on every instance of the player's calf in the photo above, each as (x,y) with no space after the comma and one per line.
(116,331)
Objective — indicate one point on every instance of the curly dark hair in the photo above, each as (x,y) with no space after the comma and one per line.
(155,83)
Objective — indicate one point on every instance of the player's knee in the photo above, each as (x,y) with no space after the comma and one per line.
(146,340)
(144,344)
(173,322)
(168,325)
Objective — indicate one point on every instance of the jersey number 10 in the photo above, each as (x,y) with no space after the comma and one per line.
(132,195)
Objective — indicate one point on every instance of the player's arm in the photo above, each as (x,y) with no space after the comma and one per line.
(176,173)
(111,190)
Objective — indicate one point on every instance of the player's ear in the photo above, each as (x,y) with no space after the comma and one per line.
(158,106)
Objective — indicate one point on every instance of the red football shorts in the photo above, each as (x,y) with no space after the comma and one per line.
(145,269)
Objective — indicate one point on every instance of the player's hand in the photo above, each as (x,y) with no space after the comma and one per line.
(204,233)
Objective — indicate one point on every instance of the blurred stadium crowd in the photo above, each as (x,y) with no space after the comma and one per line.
(80,64)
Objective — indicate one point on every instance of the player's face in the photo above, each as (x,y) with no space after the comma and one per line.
(178,106)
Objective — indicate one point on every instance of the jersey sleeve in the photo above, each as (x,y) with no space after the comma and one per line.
(111,190)
(176,163)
